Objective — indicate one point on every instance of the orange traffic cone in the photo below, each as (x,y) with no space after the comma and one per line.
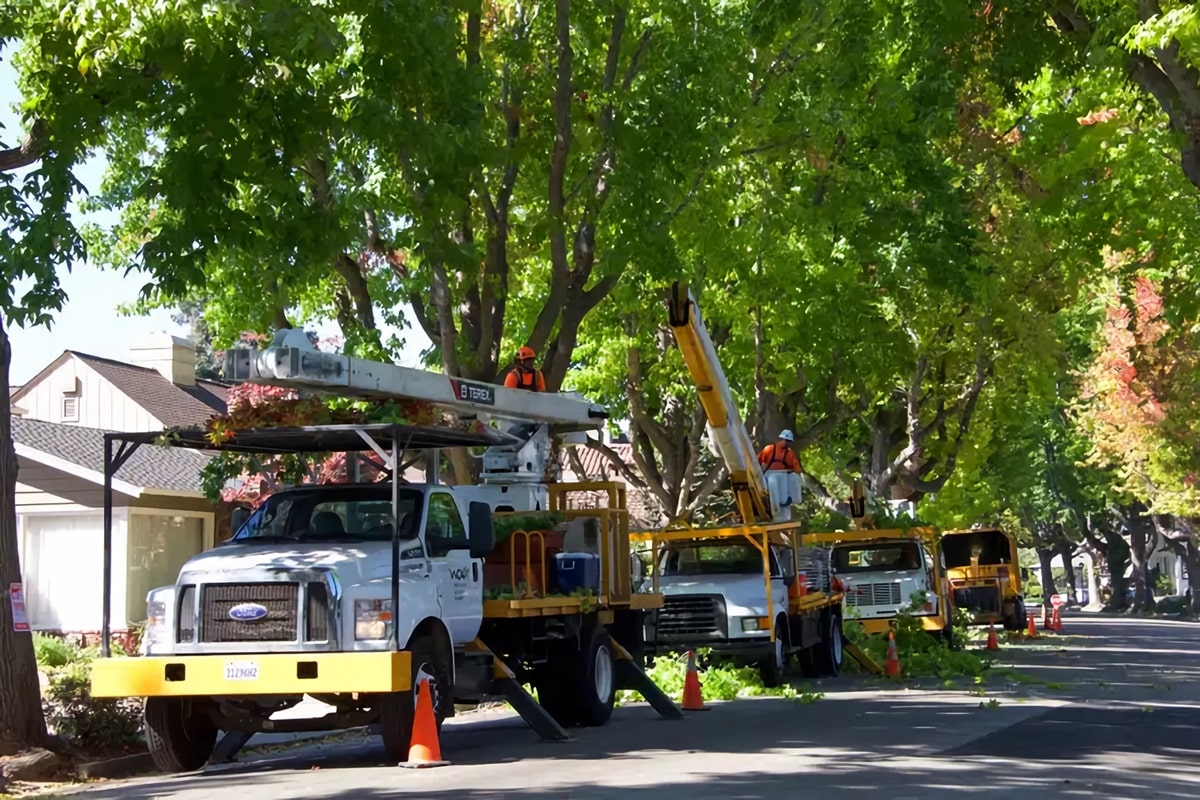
(1056,620)
(693,700)
(992,644)
(1031,631)
(424,750)
(893,661)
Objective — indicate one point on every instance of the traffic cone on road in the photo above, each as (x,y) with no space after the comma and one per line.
(1031,631)
(693,700)
(892,668)
(992,644)
(424,749)
(1056,620)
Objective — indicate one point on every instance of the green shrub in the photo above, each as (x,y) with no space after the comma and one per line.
(54,651)
(89,723)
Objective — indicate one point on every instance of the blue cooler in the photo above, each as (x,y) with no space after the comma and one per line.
(577,571)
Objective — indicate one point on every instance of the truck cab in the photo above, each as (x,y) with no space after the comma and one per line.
(309,570)
(713,595)
(883,577)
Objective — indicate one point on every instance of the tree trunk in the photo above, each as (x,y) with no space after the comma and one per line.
(1045,557)
(21,721)
(1069,570)
(1118,558)
(1193,575)
(1137,553)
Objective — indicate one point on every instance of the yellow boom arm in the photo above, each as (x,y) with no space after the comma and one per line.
(724,423)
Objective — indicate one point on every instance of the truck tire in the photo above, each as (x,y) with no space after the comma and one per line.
(773,668)
(827,656)
(577,686)
(179,734)
(597,678)
(1017,621)
(397,710)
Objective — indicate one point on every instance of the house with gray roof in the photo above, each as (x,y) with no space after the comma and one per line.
(160,518)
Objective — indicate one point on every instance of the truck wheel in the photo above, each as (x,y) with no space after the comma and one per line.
(398,710)
(179,735)
(773,668)
(827,658)
(578,686)
(597,683)
(555,689)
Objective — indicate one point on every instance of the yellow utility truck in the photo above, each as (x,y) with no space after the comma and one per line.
(752,592)
(985,575)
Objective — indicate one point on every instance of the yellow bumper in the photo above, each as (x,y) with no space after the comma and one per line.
(270,674)
(884,624)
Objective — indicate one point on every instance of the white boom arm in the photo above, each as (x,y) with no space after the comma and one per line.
(291,361)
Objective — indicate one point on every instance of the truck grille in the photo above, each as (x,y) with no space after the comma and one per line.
(279,624)
(873,594)
(978,598)
(691,615)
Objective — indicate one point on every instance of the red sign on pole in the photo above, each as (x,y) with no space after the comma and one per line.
(16,598)
(1057,600)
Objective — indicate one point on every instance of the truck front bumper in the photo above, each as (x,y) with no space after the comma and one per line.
(747,650)
(252,674)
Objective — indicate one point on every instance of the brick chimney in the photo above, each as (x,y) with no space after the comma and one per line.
(174,358)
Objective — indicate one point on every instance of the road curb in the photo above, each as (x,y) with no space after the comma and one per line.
(120,767)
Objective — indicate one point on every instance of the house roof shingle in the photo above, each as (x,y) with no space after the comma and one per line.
(150,466)
(173,405)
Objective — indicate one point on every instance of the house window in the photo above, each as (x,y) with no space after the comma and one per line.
(70,408)
(159,544)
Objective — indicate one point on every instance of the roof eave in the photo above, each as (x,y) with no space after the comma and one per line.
(79,471)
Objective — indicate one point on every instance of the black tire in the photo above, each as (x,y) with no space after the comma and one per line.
(179,733)
(597,679)
(578,685)
(397,711)
(827,656)
(773,668)
(555,688)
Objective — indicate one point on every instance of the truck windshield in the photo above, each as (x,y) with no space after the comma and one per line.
(988,546)
(712,559)
(868,557)
(350,513)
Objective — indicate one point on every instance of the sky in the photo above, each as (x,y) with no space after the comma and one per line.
(89,321)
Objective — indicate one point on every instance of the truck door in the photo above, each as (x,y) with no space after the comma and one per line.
(458,577)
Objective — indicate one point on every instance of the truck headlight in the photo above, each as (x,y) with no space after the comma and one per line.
(372,619)
(158,627)
(752,624)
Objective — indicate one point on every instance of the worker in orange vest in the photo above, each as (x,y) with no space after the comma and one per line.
(525,375)
(780,455)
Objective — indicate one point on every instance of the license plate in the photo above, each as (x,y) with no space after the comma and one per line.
(241,670)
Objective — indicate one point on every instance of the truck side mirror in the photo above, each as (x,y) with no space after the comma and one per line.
(482,536)
(237,518)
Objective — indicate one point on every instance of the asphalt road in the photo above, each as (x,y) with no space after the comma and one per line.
(1108,709)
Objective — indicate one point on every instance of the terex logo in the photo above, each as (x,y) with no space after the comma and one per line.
(459,573)
(481,393)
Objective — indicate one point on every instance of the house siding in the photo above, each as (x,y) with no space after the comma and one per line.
(100,404)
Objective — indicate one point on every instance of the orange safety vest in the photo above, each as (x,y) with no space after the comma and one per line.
(769,457)
(530,381)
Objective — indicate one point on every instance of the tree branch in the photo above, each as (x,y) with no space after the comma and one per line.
(29,150)
(618,463)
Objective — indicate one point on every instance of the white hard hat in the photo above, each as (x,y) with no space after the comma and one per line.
(786,435)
